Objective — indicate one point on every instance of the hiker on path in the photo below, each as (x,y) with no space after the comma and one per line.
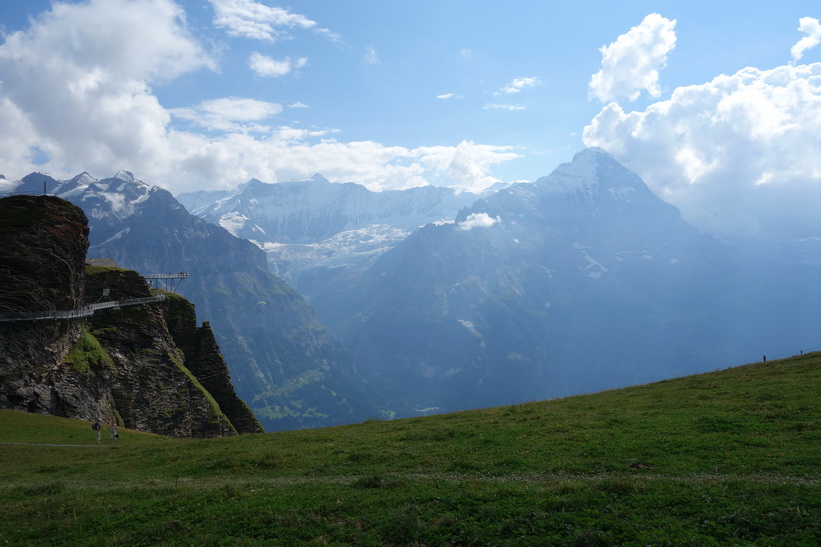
(97,429)
(113,431)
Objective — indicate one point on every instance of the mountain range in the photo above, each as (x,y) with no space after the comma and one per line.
(318,234)
(283,362)
(579,281)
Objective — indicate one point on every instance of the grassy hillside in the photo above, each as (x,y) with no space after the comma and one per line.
(731,457)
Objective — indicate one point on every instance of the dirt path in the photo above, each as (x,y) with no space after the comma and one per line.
(47,444)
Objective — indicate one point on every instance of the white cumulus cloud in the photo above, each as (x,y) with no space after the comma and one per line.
(519,84)
(738,155)
(812,28)
(250,19)
(372,56)
(466,166)
(263,65)
(77,90)
(503,106)
(80,98)
(478,220)
(229,114)
(631,64)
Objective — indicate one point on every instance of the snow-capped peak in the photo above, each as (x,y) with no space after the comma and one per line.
(83,179)
(577,176)
(124,175)
(252,185)
(593,172)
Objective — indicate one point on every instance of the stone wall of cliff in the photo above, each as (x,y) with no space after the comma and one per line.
(43,242)
(152,388)
(204,359)
(118,363)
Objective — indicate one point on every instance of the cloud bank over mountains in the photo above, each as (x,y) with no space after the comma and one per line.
(738,154)
(80,91)
(77,91)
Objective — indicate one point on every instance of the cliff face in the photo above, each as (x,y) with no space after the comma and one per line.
(284,363)
(43,242)
(152,388)
(121,362)
(204,359)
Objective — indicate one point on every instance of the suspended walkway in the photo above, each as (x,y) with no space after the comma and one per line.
(172,280)
(85,311)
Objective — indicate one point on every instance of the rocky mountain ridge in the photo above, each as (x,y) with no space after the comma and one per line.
(317,233)
(580,281)
(122,363)
(284,364)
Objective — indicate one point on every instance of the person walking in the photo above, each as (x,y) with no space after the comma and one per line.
(113,431)
(97,429)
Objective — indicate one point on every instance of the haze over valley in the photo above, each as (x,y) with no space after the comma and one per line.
(530,202)
(579,281)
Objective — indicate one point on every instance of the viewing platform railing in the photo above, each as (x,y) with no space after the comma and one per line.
(85,311)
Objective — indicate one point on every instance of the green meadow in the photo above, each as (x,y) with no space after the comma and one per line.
(731,457)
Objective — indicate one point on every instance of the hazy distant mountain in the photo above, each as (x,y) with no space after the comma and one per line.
(318,233)
(580,281)
(283,362)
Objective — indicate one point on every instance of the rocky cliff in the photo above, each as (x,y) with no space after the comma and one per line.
(283,362)
(44,242)
(121,362)
(204,359)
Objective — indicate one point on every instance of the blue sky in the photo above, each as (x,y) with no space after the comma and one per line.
(715,104)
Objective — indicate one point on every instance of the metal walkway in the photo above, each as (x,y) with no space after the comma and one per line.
(79,312)
(154,279)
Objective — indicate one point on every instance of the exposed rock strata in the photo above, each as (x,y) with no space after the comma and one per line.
(122,362)
(43,242)
(284,364)
(204,359)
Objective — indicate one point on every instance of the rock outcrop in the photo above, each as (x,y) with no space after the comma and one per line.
(43,241)
(284,364)
(204,359)
(120,362)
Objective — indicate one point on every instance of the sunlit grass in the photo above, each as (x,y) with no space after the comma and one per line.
(727,457)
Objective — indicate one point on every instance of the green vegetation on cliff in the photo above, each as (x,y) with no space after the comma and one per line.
(121,361)
(729,457)
(86,353)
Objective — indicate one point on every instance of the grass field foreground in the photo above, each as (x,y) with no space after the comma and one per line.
(730,457)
